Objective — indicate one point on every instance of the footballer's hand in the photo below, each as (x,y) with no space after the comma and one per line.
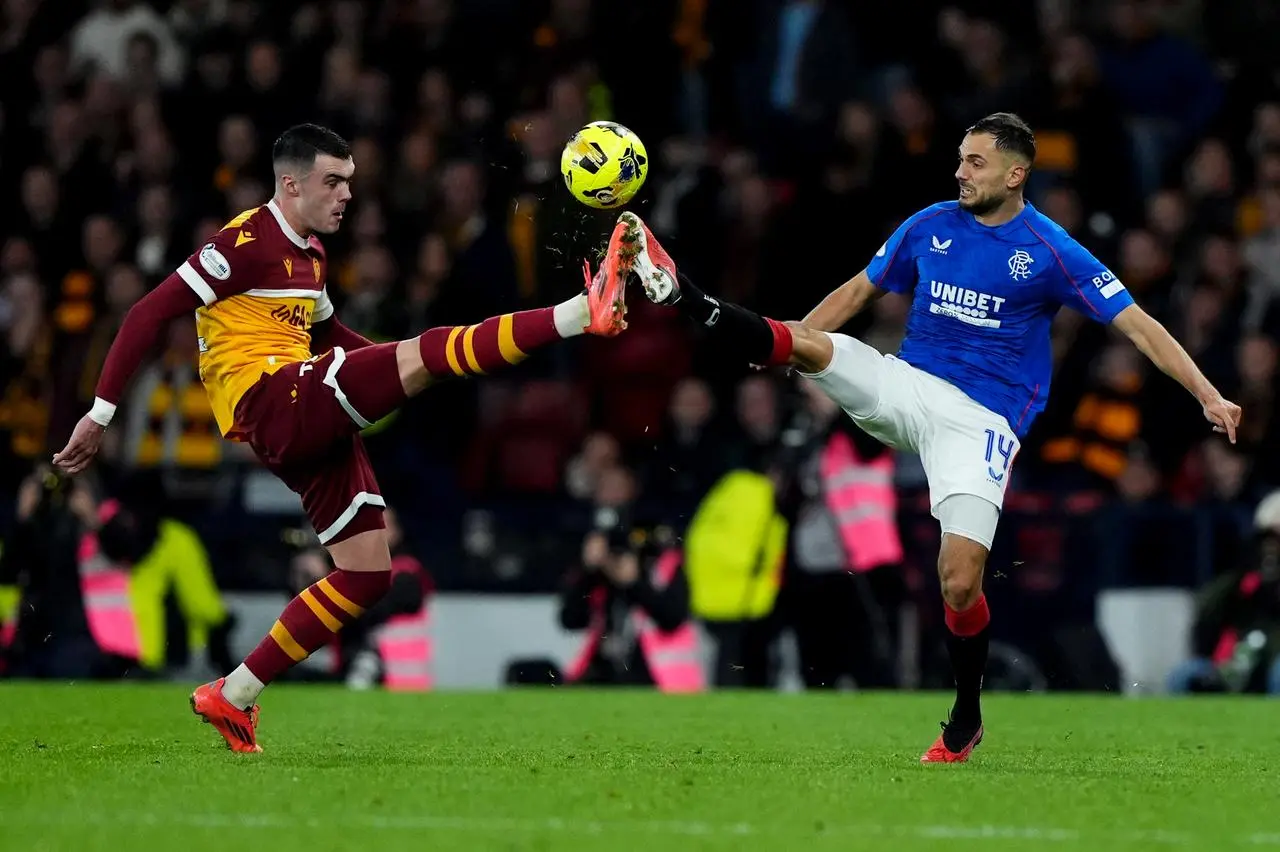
(1224,415)
(83,446)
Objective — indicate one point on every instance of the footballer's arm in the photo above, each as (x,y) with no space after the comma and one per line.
(1154,341)
(138,335)
(843,303)
(329,333)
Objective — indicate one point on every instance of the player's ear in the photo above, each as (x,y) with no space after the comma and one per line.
(1017,176)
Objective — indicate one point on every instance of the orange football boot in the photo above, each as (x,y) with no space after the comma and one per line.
(939,753)
(238,727)
(651,263)
(607,289)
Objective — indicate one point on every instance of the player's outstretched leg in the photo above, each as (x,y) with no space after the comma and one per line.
(508,339)
(376,380)
(960,566)
(761,341)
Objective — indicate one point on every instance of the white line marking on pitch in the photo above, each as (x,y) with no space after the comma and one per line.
(662,827)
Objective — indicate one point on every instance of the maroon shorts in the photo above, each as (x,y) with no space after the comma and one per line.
(305,429)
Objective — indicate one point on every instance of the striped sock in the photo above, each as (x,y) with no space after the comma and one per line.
(499,341)
(307,623)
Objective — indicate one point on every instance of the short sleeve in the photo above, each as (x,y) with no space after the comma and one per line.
(324,306)
(1086,284)
(892,268)
(222,267)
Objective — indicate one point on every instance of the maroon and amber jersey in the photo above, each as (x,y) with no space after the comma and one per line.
(262,285)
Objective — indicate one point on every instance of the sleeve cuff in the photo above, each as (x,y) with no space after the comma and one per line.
(102,411)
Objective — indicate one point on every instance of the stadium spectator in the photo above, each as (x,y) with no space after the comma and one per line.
(1093,454)
(689,456)
(1236,640)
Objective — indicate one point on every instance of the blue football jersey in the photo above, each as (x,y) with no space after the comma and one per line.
(984,298)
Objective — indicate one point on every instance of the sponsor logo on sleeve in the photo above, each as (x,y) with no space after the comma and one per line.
(1107,283)
(214,262)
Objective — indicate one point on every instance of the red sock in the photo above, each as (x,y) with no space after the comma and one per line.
(313,617)
(495,343)
(969,622)
(783,343)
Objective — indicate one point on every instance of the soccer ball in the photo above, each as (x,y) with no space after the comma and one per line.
(604,165)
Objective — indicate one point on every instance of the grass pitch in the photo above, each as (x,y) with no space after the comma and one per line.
(127,767)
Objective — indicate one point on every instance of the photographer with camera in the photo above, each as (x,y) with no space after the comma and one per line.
(52,638)
(1236,637)
(108,588)
(631,596)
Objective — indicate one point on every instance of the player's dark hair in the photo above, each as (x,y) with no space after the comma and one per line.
(302,143)
(1010,132)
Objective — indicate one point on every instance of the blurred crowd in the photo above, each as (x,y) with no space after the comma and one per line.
(787,137)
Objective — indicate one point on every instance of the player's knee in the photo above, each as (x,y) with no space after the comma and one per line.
(960,573)
(968,526)
(365,551)
(414,375)
(811,350)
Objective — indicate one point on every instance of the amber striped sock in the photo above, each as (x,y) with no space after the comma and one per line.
(309,622)
(468,350)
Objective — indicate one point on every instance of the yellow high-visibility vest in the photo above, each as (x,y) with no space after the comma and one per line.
(734,549)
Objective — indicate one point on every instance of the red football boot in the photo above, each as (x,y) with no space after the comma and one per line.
(607,288)
(651,263)
(939,752)
(238,727)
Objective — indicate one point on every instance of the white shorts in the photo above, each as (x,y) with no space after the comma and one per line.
(964,447)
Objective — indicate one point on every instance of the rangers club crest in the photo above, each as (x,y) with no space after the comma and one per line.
(1020,265)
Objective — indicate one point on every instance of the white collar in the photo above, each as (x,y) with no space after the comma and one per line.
(284,226)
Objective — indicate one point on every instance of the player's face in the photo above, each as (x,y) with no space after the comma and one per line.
(324,193)
(987,175)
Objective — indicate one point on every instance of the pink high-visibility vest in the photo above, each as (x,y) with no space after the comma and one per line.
(673,658)
(1226,647)
(861,497)
(104,586)
(404,642)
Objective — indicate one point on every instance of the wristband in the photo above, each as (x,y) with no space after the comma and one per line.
(102,411)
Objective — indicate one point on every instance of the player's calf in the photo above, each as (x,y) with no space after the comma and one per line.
(309,622)
(503,341)
(760,340)
(495,343)
(960,566)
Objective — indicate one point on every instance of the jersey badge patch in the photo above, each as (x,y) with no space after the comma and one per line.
(214,263)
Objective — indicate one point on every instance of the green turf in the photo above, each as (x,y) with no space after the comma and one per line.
(128,767)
